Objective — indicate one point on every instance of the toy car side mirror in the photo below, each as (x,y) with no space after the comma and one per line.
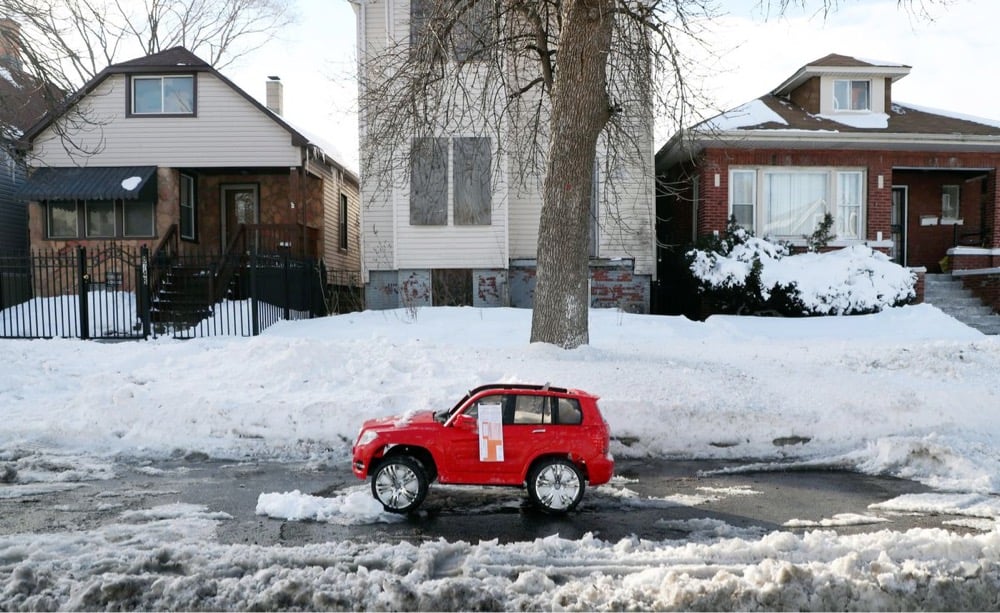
(466,422)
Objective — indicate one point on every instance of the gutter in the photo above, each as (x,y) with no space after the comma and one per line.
(686,145)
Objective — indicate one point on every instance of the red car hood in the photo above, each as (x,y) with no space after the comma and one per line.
(410,418)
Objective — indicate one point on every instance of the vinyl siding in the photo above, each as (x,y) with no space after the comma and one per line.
(453,246)
(228,131)
(391,243)
(13,213)
(333,256)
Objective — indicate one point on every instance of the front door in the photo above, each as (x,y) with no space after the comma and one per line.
(897,221)
(239,206)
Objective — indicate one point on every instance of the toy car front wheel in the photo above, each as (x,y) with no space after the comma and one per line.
(400,484)
(555,485)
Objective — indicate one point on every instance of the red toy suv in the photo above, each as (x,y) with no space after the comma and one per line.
(553,439)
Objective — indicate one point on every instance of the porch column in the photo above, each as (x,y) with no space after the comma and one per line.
(992,215)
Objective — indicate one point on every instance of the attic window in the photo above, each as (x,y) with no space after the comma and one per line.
(852,95)
(162,95)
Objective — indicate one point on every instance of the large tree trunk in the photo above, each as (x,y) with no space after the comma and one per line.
(580,110)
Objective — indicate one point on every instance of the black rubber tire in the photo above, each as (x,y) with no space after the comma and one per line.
(400,483)
(555,485)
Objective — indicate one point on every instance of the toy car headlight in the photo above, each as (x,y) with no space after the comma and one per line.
(367,436)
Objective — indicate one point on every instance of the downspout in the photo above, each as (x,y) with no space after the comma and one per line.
(361,11)
(303,198)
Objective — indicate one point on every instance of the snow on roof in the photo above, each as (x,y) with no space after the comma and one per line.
(879,62)
(131,183)
(752,113)
(900,107)
(859,120)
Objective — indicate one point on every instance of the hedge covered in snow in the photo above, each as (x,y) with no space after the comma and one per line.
(740,273)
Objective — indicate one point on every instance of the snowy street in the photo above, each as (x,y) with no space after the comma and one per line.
(98,439)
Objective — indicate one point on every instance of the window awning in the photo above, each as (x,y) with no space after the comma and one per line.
(107,183)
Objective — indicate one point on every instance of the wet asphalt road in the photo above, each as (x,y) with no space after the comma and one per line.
(764,500)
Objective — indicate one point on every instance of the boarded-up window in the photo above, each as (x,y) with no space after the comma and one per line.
(472,181)
(429,182)
(472,35)
(446,29)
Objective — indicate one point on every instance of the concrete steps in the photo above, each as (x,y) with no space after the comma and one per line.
(948,294)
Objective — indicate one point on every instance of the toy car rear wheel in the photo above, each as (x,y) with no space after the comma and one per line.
(555,485)
(400,484)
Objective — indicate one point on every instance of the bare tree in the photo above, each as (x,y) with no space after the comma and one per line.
(554,81)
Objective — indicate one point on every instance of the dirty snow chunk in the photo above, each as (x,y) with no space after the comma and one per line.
(355,506)
(36,489)
(969,505)
(131,183)
(176,510)
(840,519)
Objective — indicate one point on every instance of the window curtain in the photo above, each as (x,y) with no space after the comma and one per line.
(794,203)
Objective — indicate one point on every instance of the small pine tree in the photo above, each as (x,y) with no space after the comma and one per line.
(822,235)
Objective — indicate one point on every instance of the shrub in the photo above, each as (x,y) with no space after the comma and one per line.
(741,274)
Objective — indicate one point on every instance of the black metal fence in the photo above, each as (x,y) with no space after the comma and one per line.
(115,292)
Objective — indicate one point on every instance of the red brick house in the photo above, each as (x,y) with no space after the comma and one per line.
(918,184)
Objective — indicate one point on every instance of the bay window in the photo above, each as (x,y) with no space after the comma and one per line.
(790,203)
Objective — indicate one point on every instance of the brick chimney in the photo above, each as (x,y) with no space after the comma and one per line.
(10,43)
(275,95)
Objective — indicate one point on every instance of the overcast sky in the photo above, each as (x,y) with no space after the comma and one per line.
(953,57)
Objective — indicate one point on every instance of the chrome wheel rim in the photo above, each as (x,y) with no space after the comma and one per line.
(397,486)
(557,486)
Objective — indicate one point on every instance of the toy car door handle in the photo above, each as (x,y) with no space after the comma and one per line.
(538,431)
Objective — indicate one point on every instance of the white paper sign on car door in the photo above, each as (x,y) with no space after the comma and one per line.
(490,433)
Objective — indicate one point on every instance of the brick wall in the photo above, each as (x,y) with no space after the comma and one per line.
(613,285)
(927,244)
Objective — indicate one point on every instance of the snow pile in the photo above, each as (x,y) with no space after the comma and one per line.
(856,279)
(176,564)
(354,507)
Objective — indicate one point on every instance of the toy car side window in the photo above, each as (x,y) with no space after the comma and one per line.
(473,411)
(568,411)
(531,409)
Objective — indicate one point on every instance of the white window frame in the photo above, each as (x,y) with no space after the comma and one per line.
(842,214)
(161,78)
(850,89)
(832,205)
(753,173)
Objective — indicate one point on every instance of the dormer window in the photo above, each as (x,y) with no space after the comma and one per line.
(852,95)
(162,95)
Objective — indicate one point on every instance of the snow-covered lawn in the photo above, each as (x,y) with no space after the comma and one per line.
(908,392)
